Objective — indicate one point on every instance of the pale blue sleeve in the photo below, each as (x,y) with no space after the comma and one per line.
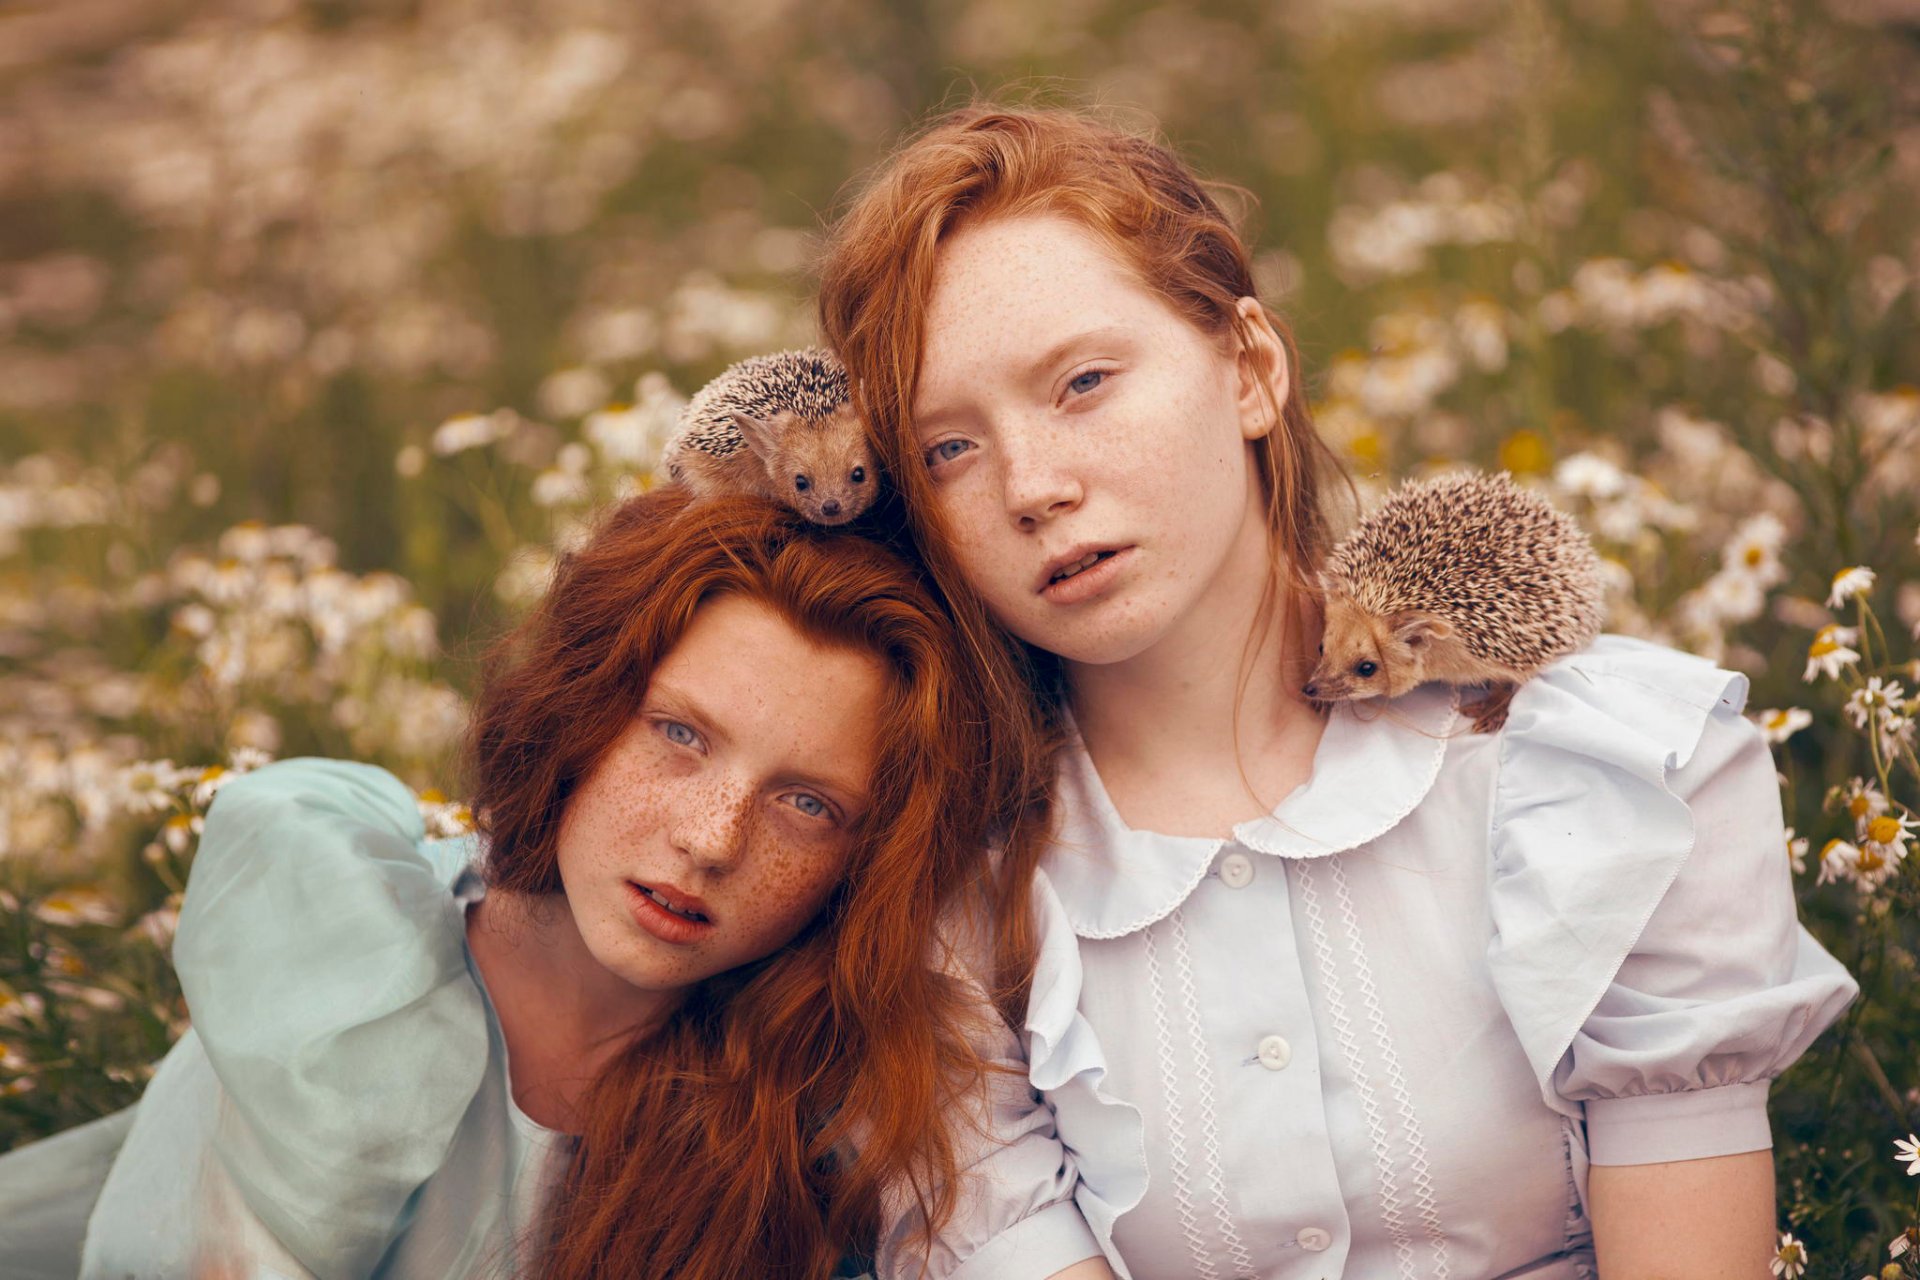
(47,1191)
(1647,943)
(325,969)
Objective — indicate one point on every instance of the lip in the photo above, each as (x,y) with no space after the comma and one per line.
(662,923)
(1089,582)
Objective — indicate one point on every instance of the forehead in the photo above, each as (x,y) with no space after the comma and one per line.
(777,695)
(1002,284)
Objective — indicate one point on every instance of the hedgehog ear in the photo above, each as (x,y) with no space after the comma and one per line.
(1415,627)
(757,433)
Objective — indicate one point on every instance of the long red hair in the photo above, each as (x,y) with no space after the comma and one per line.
(985,161)
(759,1132)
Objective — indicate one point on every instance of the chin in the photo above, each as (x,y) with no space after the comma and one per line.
(1098,644)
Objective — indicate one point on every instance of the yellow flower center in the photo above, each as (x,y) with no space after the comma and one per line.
(1870,861)
(1883,829)
(1858,806)
(1525,451)
(433,795)
(1754,556)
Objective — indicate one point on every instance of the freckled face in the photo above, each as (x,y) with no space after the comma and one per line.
(1066,411)
(731,795)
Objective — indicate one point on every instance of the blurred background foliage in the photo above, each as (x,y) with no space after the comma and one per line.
(322,323)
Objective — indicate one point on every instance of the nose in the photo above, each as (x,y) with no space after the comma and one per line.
(710,824)
(1037,484)
(831,507)
(1311,689)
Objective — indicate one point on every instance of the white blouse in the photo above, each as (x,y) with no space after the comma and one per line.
(1382,1031)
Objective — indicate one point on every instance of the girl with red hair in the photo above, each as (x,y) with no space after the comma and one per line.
(1314,993)
(681,1010)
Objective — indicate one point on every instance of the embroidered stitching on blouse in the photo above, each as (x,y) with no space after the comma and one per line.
(1203,1079)
(1350,1049)
(1376,1016)
(1176,1126)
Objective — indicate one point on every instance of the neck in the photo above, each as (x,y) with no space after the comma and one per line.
(563,1015)
(1222,685)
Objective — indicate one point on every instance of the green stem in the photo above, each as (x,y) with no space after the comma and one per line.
(1877,1075)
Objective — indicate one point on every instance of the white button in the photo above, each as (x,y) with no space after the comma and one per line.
(1236,871)
(1275,1054)
(1313,1239)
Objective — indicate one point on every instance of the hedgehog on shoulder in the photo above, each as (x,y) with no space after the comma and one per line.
(1467,579)
(781,426)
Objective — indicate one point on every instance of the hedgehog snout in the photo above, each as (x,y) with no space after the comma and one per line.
(1325,688)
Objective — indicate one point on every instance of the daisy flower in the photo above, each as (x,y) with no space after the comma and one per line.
(1797,852)
(180,830)
(211,779)
(1907,1151)
(1754,550)
(1896,728)
(1872,868)
(1876,696)
(1830,651)
(1887,835)
(1861,799)
(1790,1259)
(1779,724)
(76,906)
(1848,583)
(1837,860)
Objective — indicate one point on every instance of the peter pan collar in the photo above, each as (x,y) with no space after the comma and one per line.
(1371,768)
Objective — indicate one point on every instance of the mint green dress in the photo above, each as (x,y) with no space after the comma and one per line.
(342,1106)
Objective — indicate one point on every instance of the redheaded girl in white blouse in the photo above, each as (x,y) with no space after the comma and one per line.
(1355,994)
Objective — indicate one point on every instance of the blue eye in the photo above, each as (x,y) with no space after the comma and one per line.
(810,805)
(679,734)
(1081,384)
(947,451)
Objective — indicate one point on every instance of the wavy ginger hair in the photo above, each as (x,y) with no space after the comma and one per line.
(721,1145)
(986,161)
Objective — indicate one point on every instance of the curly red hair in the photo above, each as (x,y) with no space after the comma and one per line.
(724,1144)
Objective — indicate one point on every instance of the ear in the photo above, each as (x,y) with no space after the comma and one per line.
(1262,365)
(758,435)
(1416,627)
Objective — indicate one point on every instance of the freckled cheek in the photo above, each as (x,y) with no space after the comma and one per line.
(789,881)
(606,825)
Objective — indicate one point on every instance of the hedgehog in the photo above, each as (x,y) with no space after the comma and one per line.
(781,426)
(1467,579)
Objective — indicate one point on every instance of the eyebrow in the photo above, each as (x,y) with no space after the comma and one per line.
(1051,356)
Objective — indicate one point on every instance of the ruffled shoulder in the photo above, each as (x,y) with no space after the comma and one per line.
(323,957)
(1587,836)
(1067,1065)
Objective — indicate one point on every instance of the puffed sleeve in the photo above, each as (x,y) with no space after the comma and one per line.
(1646,941)
(1015,1216)
(324,964)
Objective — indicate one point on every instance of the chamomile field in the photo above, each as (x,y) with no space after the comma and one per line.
(324,326)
